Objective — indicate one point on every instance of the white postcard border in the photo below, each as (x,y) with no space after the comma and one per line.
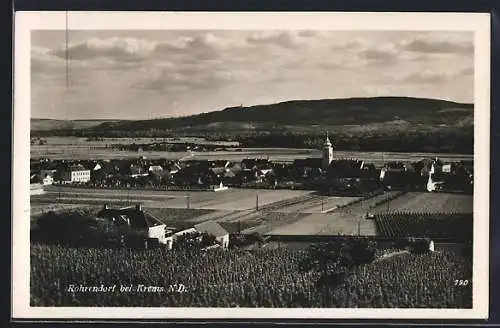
(26,21)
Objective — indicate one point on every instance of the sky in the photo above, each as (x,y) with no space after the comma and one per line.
(164,73)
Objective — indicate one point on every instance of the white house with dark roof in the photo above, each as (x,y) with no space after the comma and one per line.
(75,174)
(135,218)
(215,229)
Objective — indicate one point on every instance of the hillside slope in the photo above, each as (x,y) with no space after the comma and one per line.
(42,124)
(352,111)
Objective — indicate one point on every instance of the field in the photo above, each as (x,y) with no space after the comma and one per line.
(233,199)
(78,148)
(280,212)
(262,278)
(352,220)
(79,142)
(422,202)
(457,226)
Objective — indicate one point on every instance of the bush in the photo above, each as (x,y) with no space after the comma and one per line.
(333,260)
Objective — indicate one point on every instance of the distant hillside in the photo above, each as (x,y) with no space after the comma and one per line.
(41,124)
(352,111)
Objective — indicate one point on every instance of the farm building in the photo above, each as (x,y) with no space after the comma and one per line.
(215,229)
(135,219)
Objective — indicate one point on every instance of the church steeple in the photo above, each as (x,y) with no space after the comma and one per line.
(327,141)
(327,152)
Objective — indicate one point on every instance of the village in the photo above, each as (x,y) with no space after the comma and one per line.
(325,175)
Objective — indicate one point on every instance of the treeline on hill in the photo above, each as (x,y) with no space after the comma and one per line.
(455,140)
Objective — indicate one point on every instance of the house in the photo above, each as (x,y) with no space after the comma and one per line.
(436,179)
(160,176)
(75,174)
(308,162)
(215,229)
(47,176)
(247,175)
(397,168)
(155,168)
(255,163)
(135,171)
(399,180)
(47,180)
(45,172)
(135,219)
(174,168)
(171,236)
(221,163)
(345,168)
(218,187)
(447,168)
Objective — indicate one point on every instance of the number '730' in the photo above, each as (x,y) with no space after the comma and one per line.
(461,283)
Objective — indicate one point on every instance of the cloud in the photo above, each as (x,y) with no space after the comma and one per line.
(286,39)
(467,71)
(203,70)
(382,54)
(126,49)
(185,78)
(42,60)
(438,45)
(428,76)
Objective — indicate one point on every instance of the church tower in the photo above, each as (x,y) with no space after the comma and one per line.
(327,152)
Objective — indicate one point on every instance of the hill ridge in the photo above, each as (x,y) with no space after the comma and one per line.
(339,111)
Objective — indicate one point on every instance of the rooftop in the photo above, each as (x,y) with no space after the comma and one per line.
(212,228)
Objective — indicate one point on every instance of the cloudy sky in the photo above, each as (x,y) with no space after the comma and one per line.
(149,74)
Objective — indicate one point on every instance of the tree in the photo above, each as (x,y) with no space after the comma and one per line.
(334,260)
